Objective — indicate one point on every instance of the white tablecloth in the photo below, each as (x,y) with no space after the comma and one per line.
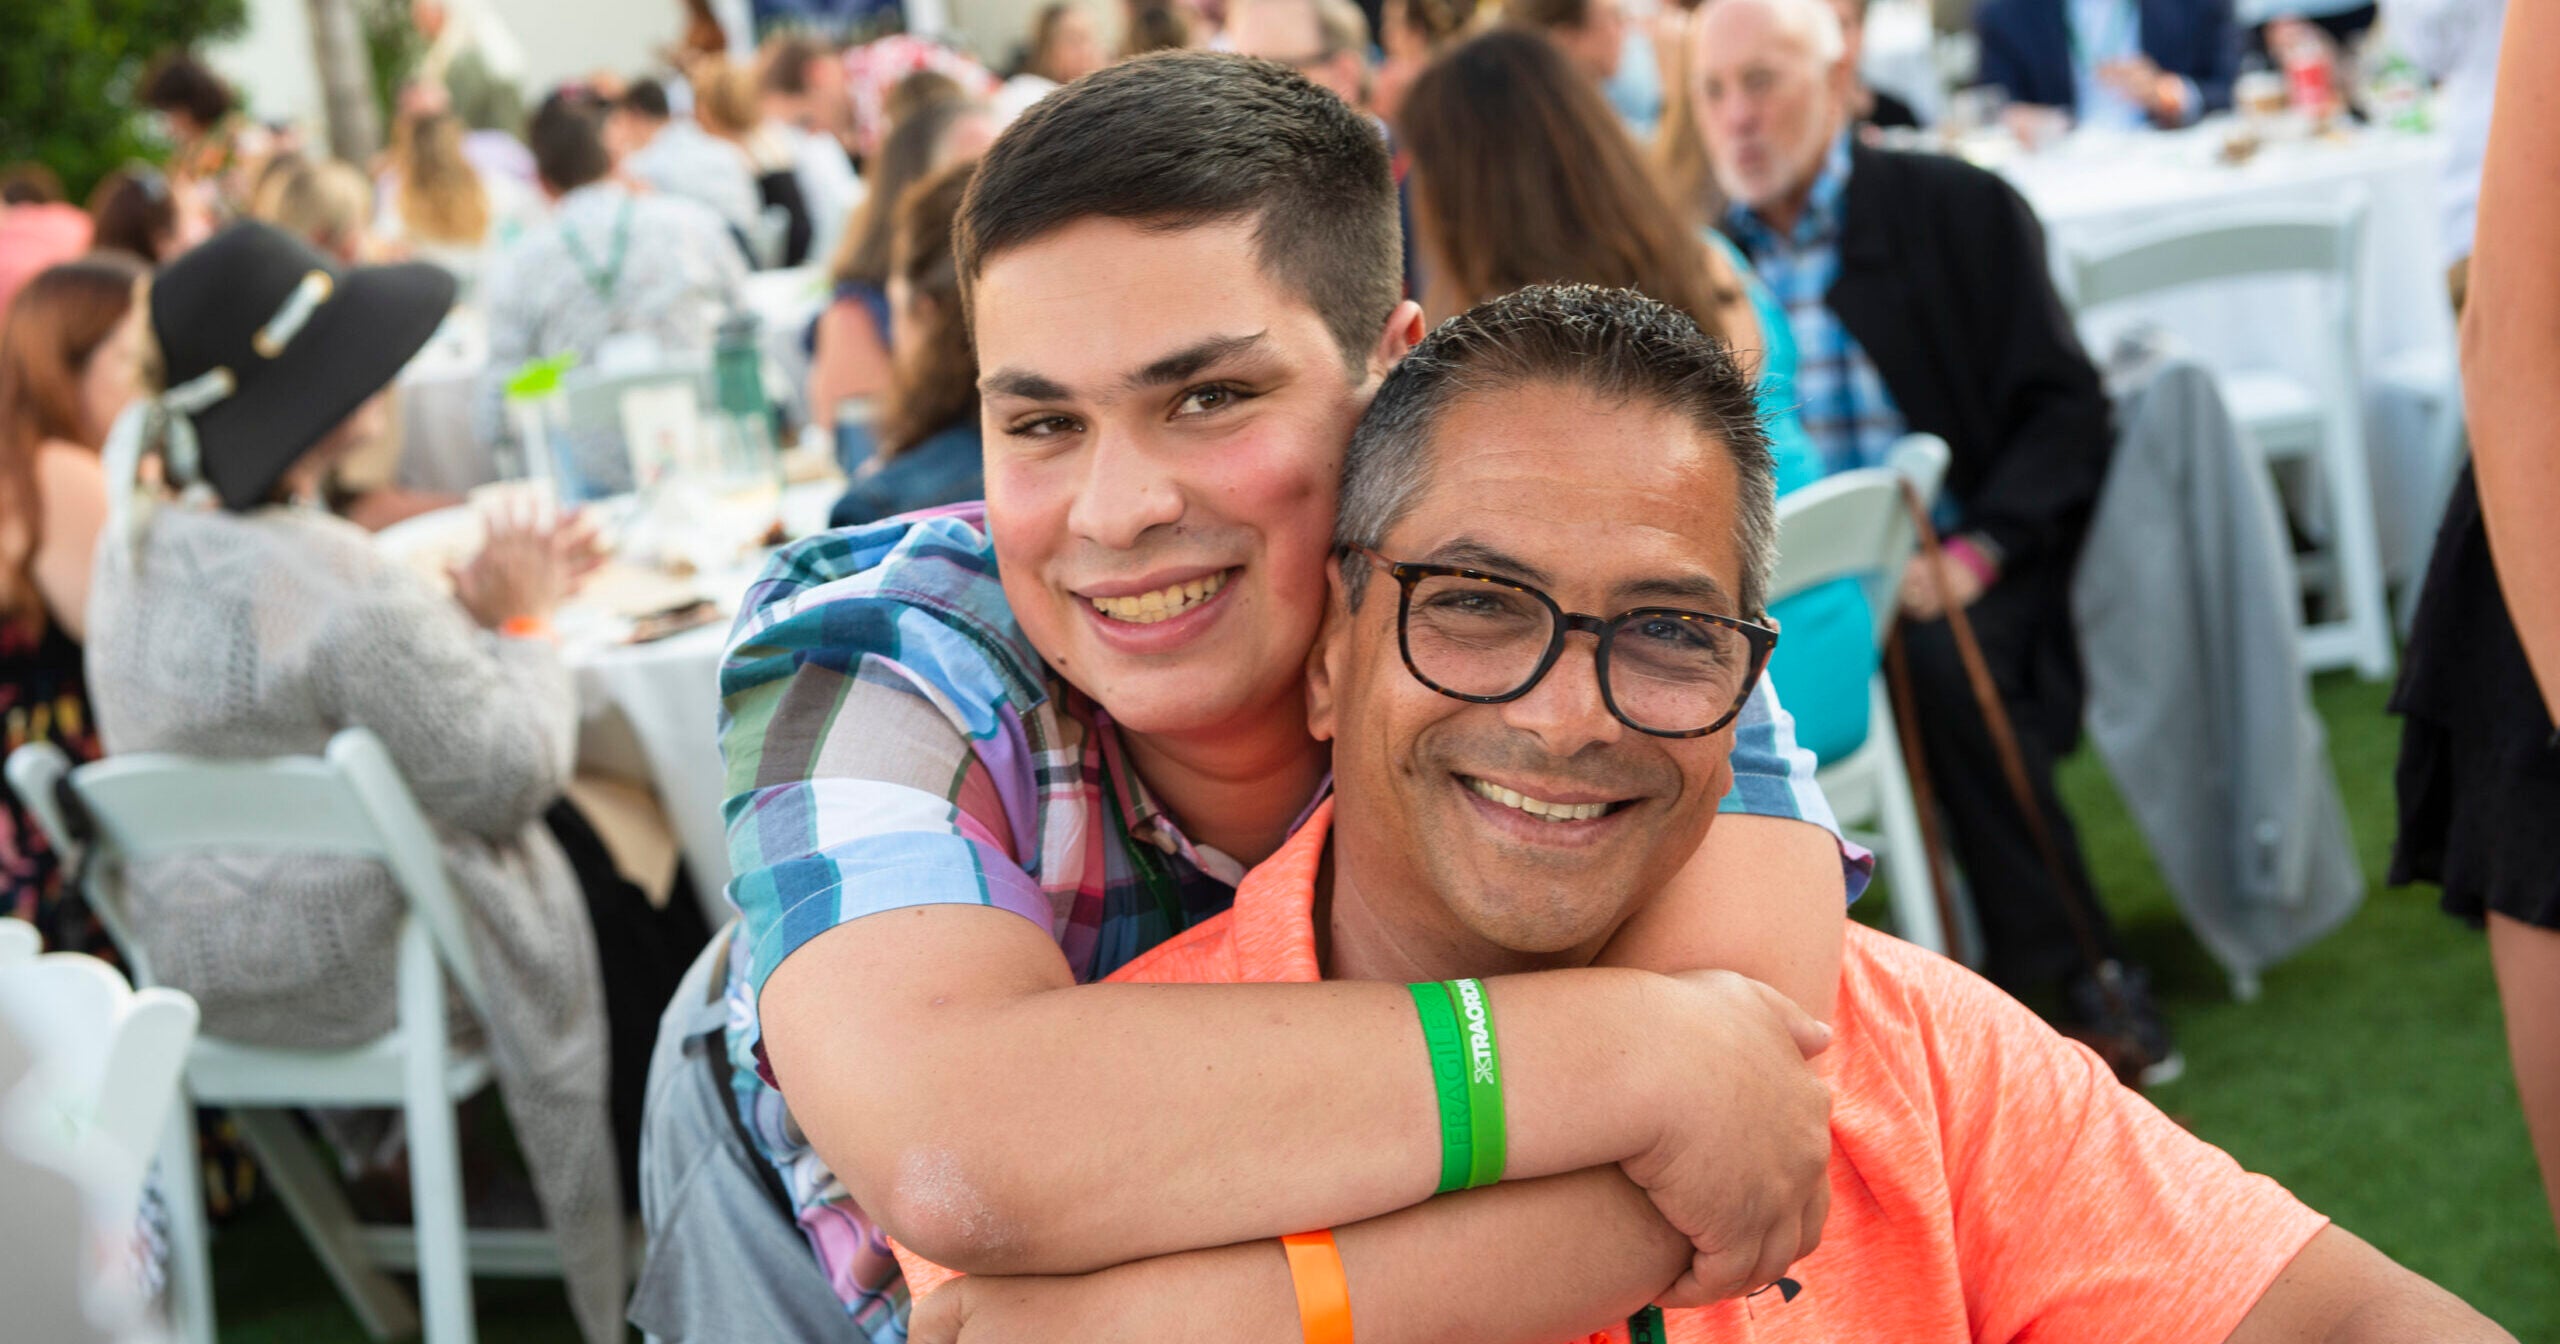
(2094,186)
(650,712)
(439,450)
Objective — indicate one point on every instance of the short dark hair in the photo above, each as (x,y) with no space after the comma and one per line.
(567,139)
(179,82)
(132,210)
(1155,25)
(1177,140)
(29,184)
(1617,343)
(786,64)
(1548,13)
(645,98)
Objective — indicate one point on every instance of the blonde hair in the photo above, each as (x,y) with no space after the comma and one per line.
(1678,151)
(440,198)
(325,203)
(728,98)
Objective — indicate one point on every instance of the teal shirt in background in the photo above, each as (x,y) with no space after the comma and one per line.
(1827,651)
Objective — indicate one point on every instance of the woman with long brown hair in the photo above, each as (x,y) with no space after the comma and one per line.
(851,361)
(930,444)
(1567,200)
(70,351)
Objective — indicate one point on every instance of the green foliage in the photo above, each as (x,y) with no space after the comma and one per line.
(67,71)
(393,48)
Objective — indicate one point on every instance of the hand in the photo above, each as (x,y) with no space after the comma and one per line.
(525,568)
(1925,597)
(1743,1169)
(2155,91)
(1233,1293)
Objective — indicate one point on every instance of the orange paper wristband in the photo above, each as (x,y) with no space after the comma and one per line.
(1324,1295)
(525,627)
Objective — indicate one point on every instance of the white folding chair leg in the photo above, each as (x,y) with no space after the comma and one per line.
(2350,481)
(1906,851)
(182,1192)
(312,1195)
(435,1157)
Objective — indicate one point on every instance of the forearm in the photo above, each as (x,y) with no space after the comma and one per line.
(1526,1262)
(994,1123)
(1763,897)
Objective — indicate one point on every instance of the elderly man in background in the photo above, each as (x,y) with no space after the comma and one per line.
(1324,40)
(1917,290)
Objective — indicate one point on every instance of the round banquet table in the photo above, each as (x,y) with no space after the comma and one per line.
(2094,186)
(648,713)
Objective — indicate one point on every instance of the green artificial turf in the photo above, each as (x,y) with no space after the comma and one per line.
(2371,1078)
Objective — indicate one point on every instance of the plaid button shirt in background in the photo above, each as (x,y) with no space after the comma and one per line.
(877,692)
(1843,401)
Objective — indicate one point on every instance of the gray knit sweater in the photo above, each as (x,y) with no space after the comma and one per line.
(262,634)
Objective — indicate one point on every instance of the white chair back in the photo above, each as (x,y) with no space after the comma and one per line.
(2315,408)
(2240,242)
(106,1065)
(1854,525)
(350,802)
(18,942)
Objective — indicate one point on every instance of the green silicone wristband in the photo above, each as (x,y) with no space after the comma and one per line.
(1483,1062)
(1449,1077)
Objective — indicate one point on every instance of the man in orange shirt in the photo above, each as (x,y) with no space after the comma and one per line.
(1514,777)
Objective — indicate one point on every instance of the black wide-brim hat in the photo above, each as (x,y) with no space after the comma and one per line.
(304,344)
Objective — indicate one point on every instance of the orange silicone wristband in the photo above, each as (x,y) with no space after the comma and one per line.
(1324,1295)
(525,627)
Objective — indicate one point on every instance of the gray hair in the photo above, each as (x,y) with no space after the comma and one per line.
(1616,343)
(1813,22)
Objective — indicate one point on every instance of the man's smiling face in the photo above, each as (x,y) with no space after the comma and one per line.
(1165,428)
(1539,823)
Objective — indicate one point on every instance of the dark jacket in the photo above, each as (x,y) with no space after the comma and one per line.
(2026,48)
(947,468)
(1943,282)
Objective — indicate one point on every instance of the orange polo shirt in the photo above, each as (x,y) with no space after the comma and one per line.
(1990,1180)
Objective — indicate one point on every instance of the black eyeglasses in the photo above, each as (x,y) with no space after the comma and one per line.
(1486,639)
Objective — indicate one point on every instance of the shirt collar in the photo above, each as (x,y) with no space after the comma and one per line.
(1274,916)
(1820,222)
(1149,823)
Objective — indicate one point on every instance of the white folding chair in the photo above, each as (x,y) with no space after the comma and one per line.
(350,802)
(18,941)
(2287,419)
(1855,526)
(107,1059)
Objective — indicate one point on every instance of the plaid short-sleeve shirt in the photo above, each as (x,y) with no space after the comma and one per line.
(1847,410)
(878,701)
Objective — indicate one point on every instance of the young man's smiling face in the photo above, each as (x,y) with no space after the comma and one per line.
(1165,427)
(1524,833)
